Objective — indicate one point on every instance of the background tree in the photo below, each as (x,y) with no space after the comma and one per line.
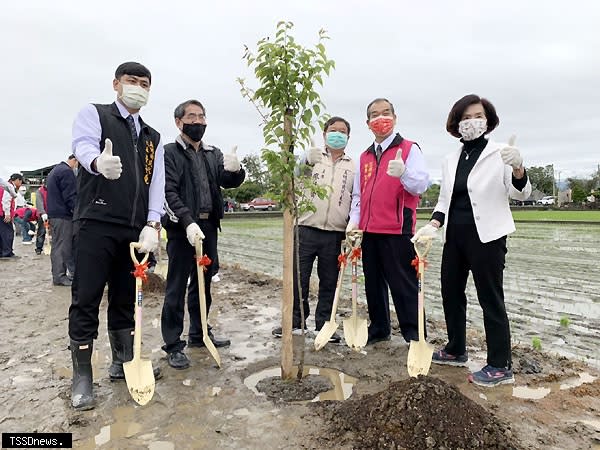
(430,197)
(289,105)
(542,178)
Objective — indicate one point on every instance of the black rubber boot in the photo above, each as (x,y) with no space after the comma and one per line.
(121,344)
(82,396)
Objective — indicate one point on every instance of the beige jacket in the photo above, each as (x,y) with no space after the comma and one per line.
(331,212)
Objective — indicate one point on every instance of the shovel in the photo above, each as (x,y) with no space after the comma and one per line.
(418,361)
(331,325)
(203,319)
(48,241)
(138,372)
(356,331)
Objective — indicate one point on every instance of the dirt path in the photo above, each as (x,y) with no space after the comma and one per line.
(204,407)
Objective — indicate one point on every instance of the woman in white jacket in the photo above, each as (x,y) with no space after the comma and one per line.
(477,181)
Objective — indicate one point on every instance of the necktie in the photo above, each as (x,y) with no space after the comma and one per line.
(134,135)
(378,152)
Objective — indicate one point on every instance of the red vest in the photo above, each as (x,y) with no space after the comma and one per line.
(20,213)
(44,193)
(12,204)
(385,206)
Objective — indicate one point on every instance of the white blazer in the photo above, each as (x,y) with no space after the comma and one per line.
(490,187)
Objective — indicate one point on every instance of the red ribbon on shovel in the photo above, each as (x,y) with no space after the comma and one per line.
(415,264)
(204,261)
(342,259)
(356,253)
(140,271)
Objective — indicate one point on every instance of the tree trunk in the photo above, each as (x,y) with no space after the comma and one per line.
(287,347)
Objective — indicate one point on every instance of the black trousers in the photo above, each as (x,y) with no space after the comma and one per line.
(7,237)
(464,252)
(387,263)
(325,247)
(102,256)
(182,264)
(40,236)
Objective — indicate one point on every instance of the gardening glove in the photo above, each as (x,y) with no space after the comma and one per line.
(396,167)
(510,154)
(427,232)
(191,231)
(314,155)
(231,163)
(45,217)
(108,165)
(148,240)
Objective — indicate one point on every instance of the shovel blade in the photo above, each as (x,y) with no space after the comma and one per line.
(212,349)
(324,334)
(418,361)
(356,332)
(140,380)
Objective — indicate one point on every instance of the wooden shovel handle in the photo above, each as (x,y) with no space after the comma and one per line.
(132,247)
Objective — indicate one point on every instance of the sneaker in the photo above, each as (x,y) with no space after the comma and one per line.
(441,356)
(217,342)
(178,360)
(27,242)
(216,278)
(38,252)
(335,339)
(31,233)
(277,332)
(492,376)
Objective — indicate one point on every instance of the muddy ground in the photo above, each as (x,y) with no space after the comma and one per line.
(555,403)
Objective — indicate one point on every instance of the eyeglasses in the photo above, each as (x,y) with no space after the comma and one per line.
(193,117)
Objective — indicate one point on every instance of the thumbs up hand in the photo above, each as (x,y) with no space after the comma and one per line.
(396,167)
(108,165)
(510,154)
(231,163)
(314,155)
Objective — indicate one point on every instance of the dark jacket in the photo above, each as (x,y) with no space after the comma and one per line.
(181,184)
(123,201)
(62,192)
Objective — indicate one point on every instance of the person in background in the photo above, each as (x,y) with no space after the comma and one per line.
(8,196)
(391,177)
(478,179)
(120,198)
(41,204)
(321,232)
(26,217)
(61,198)
(195,173)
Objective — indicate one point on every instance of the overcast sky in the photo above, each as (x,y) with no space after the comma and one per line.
(538,62)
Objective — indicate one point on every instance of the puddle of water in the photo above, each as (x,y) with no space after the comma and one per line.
(575,382)
(342,383)
(528,393)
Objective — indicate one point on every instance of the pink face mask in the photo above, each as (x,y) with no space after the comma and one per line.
(381,125)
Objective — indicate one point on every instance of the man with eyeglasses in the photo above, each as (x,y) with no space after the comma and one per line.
(120,200)
(392,175)
(195,173)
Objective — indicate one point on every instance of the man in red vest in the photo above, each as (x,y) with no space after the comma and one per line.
(7,209)
(392,175)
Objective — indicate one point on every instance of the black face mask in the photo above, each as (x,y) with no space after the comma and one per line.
(194,131)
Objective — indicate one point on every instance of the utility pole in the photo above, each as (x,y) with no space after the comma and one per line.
(558,200)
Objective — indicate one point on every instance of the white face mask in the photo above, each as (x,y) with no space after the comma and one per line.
(471,129)
(134,96)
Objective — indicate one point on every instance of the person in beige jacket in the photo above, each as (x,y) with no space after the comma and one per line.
(320,232)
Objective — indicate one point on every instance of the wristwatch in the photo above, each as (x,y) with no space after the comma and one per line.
(154,224)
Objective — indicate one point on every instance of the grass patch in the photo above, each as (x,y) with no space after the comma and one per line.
(540,216)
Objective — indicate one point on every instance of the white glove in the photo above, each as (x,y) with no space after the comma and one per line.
(191,231)
(510,154)
(351,227)
(314,155)
(108,165)
(45,217)
(148,240)
(396,167)
(426,232)
(231,163)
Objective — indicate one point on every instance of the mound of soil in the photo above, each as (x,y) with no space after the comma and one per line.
(418,413)
(308,388)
